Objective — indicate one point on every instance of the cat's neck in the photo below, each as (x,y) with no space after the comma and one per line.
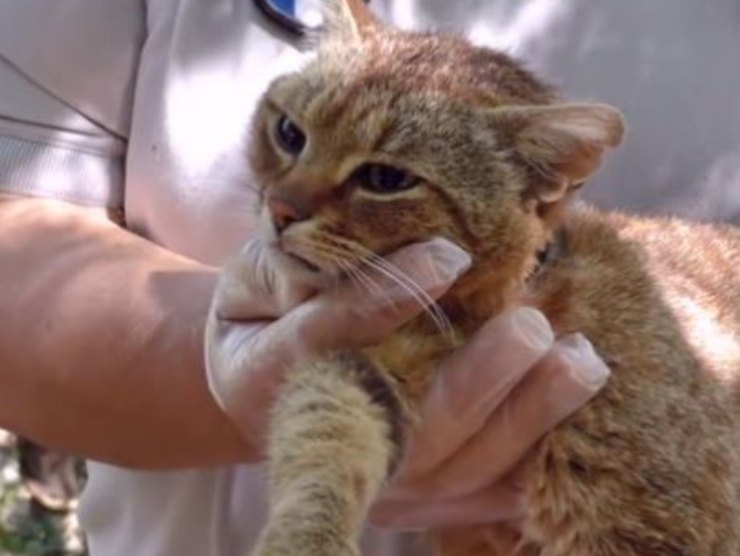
(506,276)
(495,285)
(487,290)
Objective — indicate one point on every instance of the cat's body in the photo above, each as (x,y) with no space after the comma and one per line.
(650,466)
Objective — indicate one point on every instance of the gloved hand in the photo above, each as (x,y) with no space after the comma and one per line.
(260,324)
(493,400)
(495,397)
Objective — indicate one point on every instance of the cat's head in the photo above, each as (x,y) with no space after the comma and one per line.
(390,137)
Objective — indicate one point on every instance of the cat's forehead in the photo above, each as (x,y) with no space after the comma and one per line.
(431,65)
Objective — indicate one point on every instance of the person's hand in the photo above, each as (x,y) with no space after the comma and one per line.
(260,323)
(492,401)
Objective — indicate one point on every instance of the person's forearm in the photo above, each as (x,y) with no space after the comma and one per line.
(101,342)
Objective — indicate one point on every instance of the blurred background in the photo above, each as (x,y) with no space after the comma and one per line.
(38,499)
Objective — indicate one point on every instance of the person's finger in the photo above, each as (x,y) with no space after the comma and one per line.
(252,287)
(251,358)
(353,316)
(348,316)
(473,382)
(559,384)
(470,484)
(503,501)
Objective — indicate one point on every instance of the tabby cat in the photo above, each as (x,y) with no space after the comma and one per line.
(390,137)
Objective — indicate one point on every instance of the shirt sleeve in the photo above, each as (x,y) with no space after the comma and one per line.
(66,78)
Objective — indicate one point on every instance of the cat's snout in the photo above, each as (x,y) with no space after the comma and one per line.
(284,213)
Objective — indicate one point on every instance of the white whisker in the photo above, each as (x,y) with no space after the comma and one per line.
(351,257)
(384,266)
(361,279)
(430,306)
(372,285)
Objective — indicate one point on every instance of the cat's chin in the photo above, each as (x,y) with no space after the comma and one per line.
(303,271)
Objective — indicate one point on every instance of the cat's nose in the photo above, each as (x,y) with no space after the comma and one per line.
(283,213)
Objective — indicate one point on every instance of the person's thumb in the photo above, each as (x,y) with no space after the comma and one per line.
(387,295)
(251,286)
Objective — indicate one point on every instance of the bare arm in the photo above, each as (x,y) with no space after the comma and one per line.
(101,341)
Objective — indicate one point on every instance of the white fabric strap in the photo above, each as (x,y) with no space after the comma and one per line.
(42,170)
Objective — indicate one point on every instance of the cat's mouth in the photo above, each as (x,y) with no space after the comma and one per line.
(305,263)
(301,268)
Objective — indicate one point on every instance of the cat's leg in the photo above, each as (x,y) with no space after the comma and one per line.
(334,435)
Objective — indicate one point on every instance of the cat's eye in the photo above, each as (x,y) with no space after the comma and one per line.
(382,178)
(289,136)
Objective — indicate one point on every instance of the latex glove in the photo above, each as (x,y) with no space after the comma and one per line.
(259,324)
(493,399)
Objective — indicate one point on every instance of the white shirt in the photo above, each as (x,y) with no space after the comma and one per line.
(144,106)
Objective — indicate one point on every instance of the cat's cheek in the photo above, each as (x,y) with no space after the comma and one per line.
(385,227)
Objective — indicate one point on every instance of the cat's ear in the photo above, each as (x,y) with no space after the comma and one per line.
(564,143)
(348,21)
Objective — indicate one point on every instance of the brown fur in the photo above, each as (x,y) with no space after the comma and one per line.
(649,467)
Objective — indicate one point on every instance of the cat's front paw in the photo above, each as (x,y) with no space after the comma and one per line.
(287,544)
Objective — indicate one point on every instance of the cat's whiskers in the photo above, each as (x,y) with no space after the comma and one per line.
(348,263)
(391,271)
(350,257)
(435,312)
(363,280)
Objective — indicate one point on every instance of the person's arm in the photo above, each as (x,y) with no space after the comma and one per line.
(101,341)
